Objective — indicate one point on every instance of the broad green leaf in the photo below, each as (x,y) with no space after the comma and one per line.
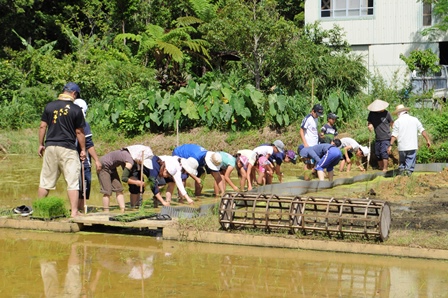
(272,109)
(237,104)
(168,119)
(279,119)
(115,116)
(142,104)
(256,97)
(215,109)
(286,119)
(155,117)
(227,112)
(333,101)
(281,102)
(201,112)
(227,93)
(189,109)
(245,113)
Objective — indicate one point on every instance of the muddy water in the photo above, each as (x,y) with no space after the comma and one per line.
(102,265)
(42,264)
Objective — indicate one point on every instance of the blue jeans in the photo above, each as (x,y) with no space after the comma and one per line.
(406,161)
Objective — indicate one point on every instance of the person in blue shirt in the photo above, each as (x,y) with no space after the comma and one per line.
(208,162)
(326,157)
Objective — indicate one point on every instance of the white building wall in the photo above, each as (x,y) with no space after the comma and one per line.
(393,29)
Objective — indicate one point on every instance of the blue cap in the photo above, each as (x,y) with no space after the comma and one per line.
(278,157)
(70,86)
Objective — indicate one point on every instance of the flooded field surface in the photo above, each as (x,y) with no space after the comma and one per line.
(44,264)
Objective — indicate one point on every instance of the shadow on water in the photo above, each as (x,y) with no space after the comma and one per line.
(86,265)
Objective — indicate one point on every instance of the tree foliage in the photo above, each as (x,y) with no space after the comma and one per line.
(440,13)
(143,65)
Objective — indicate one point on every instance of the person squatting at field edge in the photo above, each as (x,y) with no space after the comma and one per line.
(349,147)
(327,156)
(209,162)
(169,170)
(108,176)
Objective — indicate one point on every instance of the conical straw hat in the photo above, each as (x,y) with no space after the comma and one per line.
(378,105)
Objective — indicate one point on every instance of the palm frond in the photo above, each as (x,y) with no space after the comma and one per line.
(198,46)
(186,21)
(171,50)
(128,36)
(204,9)
(155,31)
(176,34)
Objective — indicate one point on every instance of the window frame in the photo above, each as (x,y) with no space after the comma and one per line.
(340,9)
(427,17)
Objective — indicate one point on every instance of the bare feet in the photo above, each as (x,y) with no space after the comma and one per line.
(75,214)
(182,201)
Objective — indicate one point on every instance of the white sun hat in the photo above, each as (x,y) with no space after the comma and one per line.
(365,150)
(190,165)
(137,151)
(213,160)
(148,164)
(172,165)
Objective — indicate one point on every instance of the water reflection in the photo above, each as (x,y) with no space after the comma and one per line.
(37,264)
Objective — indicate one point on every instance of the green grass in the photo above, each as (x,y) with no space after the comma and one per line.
(50,207)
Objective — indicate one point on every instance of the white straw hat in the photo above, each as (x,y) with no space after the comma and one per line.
(190,165)
(400,108)
(213,160)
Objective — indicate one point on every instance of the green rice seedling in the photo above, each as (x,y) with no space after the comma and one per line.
(146,204)
(49,208)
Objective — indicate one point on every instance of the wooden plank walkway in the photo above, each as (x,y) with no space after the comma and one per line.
(103,219)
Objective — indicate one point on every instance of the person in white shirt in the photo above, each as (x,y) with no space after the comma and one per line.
(405,131)
(308,128)
(349,148)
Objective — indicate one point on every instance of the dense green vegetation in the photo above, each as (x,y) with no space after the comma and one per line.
(148,66)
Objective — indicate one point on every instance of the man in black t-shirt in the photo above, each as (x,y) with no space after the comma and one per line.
(62,123)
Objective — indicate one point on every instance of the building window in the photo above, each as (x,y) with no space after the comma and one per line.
(427,12)
(346,8)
